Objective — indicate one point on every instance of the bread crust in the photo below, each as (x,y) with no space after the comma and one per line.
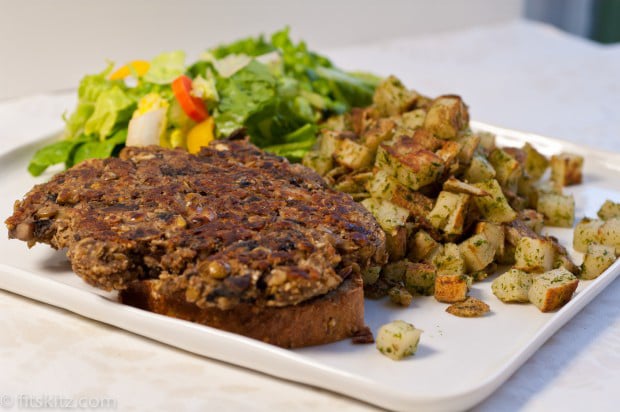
(334,316)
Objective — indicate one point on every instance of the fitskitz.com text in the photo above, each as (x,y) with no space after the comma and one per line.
(26,401)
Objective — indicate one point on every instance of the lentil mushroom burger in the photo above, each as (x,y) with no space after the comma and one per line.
(232,237)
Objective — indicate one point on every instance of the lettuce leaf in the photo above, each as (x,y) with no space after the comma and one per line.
(112,106)
(166,67)
(52,154)
(98,149)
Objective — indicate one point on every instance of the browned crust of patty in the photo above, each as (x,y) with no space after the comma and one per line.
(335,316)
(230,226)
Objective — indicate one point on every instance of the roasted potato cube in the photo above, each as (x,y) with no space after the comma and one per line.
(379,132)
(450,261)
(316,161)
(329,143)
(564,261)
(507,169)
(411,166)
(394,272)
(566,169)
(388,215)
(479,170)
(508,257)
(609,233)
(450,288)
(494,208)
(512,286)
(392,97)
(477,252)
(469,143)
(557,210)
(532,219)
(597,259)
(421,246)
(423,138)
(552,289)
(353,154)
(487,141)
(494,233)
(534,255)
(415,202)
(420,278)
(535,163)
(398,339)
(400,296)
(449,212)
(411,121)
(396,243)
(337,123)
(381,185)
(586,232)
(609,210)
(446,117)
(456,186)
(449,152)
(371,274)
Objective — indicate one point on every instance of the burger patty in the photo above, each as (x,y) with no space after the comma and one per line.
(229,225)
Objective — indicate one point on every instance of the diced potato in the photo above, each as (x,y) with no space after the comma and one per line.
(552,289)
(507,169)
(381,185)
(380,131)
(360,119)
(586,232)
(420,278)
(609,210)
(316,161)
(597,259)
(456,186)
(566,169)
(477,252)
(353,154)
(450,288)
(413,167)
(422,246)
(449,152)
(394,272)
(449,212)
(398,339)
(532,219)
(396,243)
(371,274)
(487,141)
(609,233)
(338,123)
(388,215)
(479,170)
(535,163)
(508,257)
(494,233)
(446,117)
(392,97)
(512,286)
(415,202)
(564,261)
(400,296)
(412,120)
(469,144)
(450,261)
(534,255)
(424,138)
(329,143)
(494,208)
(558,210)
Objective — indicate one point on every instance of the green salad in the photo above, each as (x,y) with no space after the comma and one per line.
(278,90)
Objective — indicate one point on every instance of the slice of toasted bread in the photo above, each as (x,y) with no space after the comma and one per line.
(337,315)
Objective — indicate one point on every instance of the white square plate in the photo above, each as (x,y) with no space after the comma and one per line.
(459,361)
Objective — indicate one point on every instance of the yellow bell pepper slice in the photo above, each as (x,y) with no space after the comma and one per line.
(200,135)
(139,67)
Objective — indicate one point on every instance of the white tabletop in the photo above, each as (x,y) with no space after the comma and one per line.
(517,75)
